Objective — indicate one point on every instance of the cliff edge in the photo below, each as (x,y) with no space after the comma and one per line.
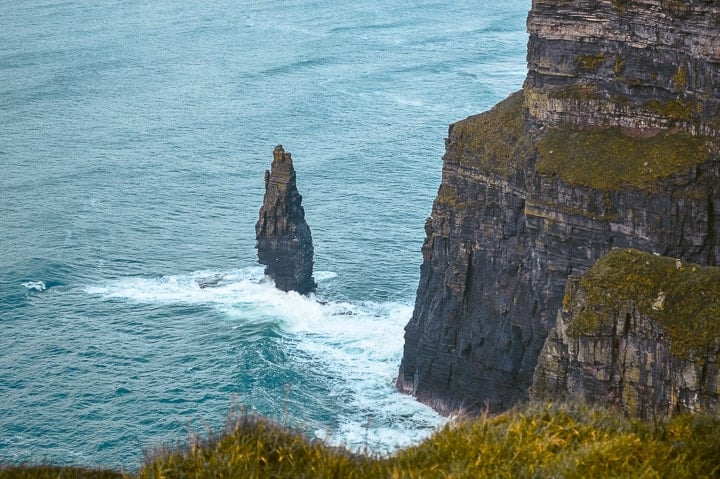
(639,332)
(613,142)
(284,241)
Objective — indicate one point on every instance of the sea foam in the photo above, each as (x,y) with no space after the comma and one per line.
(35,285)
(355,346)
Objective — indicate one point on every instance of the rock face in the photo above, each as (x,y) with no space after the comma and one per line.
(598,151)
(639,332)
(284,242)
(632,63)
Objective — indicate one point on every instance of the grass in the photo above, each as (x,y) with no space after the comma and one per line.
(494,141)
(538,441)
(683,298)
(56,472)
(611,159)
(604,158)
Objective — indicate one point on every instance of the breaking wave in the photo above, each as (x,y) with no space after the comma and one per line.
(354,348)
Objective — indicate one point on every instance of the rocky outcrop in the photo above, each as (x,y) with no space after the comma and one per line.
(630,63)
(639,332)
(284,242)
(536,190)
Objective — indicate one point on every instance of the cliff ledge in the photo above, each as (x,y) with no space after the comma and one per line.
(613,142)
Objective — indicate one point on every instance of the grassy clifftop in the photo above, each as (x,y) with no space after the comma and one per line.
(499,141)
(684,298)
(613,159)
(496,141)
(539,441)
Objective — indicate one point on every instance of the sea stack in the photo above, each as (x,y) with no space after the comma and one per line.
(284,242)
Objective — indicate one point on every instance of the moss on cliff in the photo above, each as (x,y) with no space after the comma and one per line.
(609,159)
(683,298)
(495,140)
(448,196)
(674,110)
(680,79)
(589,63)
(619,65)
(583,91)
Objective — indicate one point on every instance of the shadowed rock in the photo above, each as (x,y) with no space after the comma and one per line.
(638,332)
(613,142)
(284,242)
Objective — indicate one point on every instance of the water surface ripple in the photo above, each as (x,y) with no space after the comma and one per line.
(133,141)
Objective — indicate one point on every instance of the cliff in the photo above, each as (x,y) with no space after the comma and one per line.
(637,331)
(284,241)
(613,142)
(631,63)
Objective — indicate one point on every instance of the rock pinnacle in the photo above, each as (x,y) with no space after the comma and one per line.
(283,238)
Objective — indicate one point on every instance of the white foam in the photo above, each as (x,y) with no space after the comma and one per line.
(363,348)
(35,285)
(358,345)
(322,276)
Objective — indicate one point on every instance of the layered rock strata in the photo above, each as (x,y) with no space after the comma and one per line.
(639,332)
(284,241)
(535,191)
(630,63)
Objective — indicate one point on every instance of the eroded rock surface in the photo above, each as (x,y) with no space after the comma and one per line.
(598,151)
(284,242)
(631,63)
(639,332)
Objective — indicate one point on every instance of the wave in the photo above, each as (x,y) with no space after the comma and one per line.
(37,286)
(355,346)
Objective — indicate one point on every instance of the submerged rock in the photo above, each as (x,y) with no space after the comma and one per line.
(284,242)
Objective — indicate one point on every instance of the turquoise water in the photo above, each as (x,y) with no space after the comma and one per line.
(133,141)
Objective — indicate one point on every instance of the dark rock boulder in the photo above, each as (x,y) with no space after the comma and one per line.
(284,242)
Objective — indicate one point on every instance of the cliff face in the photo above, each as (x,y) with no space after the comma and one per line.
(633,63)
(640,332)
(551,179)
(284,242)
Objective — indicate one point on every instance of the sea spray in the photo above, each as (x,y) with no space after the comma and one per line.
(353,347)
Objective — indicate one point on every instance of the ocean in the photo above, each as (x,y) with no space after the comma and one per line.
(134,137)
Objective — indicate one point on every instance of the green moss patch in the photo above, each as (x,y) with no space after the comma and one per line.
(495,140)
(589,63)
(675,110)
(582,91)
(609,159)
(680,79)
(683,298)
(619,65)
(448,196)
(620,6)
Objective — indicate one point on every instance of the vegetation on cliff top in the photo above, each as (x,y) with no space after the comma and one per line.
(539,441)
(683,298)
(495,140)
(609,159)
